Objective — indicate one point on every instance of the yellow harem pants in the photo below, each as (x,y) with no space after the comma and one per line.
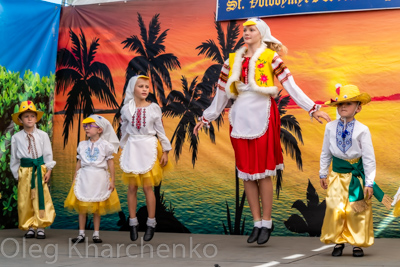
(28,208)
(341,223)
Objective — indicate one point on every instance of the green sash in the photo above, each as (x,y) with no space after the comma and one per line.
(356,192)
(36,164)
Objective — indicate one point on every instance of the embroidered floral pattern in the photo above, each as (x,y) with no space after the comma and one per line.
(139,118)
(263,78)
(344,135)
(92,157)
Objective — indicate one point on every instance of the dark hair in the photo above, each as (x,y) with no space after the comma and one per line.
(19,116)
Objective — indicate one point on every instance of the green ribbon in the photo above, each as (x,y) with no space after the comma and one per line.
(356,192)
(36,165)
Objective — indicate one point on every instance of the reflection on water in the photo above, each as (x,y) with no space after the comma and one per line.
(199,194)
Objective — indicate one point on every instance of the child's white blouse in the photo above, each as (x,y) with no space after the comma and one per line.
(19,149)
(356,143)
(95,154)
(141,128)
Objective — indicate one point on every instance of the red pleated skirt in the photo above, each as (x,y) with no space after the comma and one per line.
(260,157)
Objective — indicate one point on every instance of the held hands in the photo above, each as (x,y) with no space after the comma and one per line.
(321,114)
(164,159)
(324,183)
(368,191)
(198,126)
(47,176)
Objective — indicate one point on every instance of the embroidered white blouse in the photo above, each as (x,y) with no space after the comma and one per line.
(19,149)
(95,154)
(245,115)
(351,142)
(140,129)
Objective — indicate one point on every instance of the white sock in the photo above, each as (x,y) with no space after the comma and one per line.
(31,229)
(40,231)
(151,222)
(257,224)
(133,221)
(96,233)
(266,223)
(82,233)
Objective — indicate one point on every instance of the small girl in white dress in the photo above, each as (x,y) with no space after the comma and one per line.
(93,189)
(143,158)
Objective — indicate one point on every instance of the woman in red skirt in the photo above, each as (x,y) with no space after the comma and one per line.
(248,77)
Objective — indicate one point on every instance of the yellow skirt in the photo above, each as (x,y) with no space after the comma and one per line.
(150,178)
(341,223)
(396,210)
(111,205)
(28,208)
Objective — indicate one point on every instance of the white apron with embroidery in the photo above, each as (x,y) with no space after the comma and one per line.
(249,109)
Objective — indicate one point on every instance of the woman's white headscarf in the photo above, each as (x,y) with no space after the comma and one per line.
(264,30)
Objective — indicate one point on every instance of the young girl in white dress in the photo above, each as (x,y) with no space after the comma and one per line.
(93,188)
(145,151)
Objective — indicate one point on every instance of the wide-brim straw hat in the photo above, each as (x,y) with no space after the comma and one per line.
(26,106)
(348,93)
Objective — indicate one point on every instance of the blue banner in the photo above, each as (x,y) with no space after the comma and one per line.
(29,35)
(241,9)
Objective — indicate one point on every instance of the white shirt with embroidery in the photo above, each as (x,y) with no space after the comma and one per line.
(350,142)
(141,128)
(246,118)
(19,149)
(92,180)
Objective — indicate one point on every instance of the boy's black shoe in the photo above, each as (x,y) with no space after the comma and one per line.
(134,232)
(358,252)
(337,250)
(30,234)
(148,235)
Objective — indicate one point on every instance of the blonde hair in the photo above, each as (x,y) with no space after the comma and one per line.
(279,48)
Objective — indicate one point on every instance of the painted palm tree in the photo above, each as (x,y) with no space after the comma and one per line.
(85,78)
(218,52)
(151,59)
(313,213)
(187,105)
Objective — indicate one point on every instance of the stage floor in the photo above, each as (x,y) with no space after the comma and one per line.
(167,249)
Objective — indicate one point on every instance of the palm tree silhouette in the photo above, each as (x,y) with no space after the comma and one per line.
(187,105)
(313,214)
(151,59)
(85,78)
(227,43)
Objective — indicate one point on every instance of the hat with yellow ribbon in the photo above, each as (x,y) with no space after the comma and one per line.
(26,106)
(348,93)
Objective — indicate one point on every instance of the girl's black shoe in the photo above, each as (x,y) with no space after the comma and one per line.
(134,232)
(254,235)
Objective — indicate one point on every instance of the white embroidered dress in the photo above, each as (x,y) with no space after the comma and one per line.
(141,129)
(93,179)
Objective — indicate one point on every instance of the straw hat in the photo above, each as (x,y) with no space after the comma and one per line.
(348,93)
(26,106)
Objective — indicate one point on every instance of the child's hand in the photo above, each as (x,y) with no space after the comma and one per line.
(164,159)
(111,187)
(198,126)
(320,114)
(368,191)
(324,183)
(47,176)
